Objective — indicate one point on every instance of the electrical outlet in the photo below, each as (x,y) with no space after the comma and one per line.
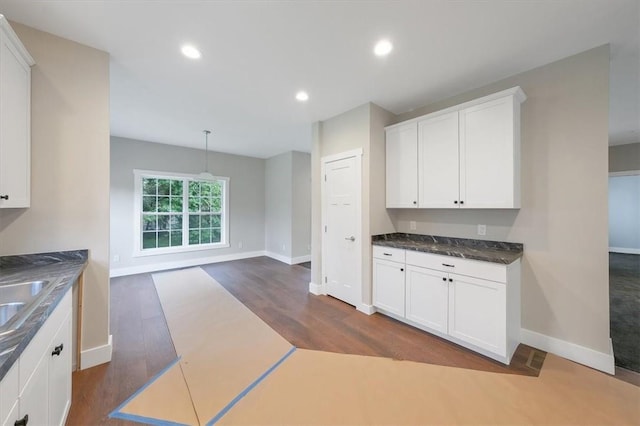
(284,248)
(412,225)
(482,229)
(116,258)
(239,244)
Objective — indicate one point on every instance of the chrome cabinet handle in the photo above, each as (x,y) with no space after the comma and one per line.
(351,238)
(450,266)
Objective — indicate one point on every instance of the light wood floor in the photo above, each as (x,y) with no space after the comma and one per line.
(278,294)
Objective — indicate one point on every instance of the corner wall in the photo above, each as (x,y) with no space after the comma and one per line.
(278,211)
(69,170)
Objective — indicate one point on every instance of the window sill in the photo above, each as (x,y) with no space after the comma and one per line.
(180,249)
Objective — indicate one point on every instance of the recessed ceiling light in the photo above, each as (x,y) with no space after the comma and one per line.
(302,96)
(383,47)
(190,52)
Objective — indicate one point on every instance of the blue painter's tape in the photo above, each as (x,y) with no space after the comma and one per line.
(116,414)
(248,389)
(142,419)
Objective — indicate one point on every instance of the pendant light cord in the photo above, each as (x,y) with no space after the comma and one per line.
(206,147)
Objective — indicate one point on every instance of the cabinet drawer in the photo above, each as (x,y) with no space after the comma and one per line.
(389,253)
(40,342)
(472,268)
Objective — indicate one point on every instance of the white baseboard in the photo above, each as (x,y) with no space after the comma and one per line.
(624,250)
(163,266)
(288,260)
(316,289)
(96,356)
(580,354)
(366,309)
(300,259)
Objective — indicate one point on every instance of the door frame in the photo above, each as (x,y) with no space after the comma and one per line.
(357,154)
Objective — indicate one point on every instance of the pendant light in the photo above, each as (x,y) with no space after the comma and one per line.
(206,175)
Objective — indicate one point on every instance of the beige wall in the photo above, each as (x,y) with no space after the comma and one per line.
(623,158)
(69,167)
(563,219)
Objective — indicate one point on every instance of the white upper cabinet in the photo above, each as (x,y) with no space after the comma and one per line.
(490,154)
(402,166)
(468,156)
(438,180)
(15,119)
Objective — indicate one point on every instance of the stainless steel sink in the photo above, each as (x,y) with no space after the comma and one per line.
(18,300)
(8,311)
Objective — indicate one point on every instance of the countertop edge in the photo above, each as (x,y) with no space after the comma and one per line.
(41,315)
(454,251)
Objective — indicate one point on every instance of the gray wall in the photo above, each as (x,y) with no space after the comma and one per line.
(301,204)
(69,168)
(288,204)
(278,196)
(563,219)
(624,212)
(624,157)
(246,196)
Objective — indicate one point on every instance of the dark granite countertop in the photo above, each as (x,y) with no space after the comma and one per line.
(488,251)
(60,268)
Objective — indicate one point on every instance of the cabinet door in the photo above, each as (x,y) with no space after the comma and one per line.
(402,166)
(388,286)
(489,155)
(427,297)
(15,127)
(477,312)
(60,374)
(438,161)
(34,400)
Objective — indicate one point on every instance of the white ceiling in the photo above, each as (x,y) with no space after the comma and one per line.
(258,54)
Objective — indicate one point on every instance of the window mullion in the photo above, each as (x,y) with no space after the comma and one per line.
(185,212)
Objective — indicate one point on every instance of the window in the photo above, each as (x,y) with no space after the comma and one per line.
(177,213)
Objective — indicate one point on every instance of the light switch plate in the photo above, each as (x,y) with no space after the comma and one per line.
(482,229)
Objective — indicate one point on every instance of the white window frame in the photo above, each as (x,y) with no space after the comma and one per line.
(137,214)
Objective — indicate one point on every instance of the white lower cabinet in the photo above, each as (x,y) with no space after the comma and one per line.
(473,303)
(60,374)
(34,399)
(477,312)
(37,388)
(427,298)
(388,286)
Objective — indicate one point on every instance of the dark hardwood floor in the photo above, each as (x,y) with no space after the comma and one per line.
(277,293)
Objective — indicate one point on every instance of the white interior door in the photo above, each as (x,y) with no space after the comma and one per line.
(342,253)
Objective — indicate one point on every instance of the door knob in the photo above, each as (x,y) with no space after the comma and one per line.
(351,238)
